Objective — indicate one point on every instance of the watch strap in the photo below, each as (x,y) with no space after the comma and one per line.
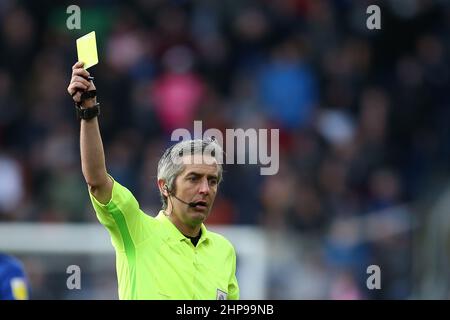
(87,113)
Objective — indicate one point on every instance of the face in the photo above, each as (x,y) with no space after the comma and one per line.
(197,183)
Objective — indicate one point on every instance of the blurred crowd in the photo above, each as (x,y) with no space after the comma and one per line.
(363,114)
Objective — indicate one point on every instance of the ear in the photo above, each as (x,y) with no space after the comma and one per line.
(163,187)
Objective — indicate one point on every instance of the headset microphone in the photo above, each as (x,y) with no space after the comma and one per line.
(190,204)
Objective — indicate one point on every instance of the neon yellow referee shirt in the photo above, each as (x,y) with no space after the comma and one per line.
(154,260)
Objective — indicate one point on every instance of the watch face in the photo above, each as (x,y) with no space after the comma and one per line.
(88,113)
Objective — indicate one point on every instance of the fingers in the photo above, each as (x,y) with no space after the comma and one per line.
(76,86)
(77,69)
(77,65)
(81,72)
(81,79)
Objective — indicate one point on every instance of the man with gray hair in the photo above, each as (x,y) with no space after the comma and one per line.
(171,256)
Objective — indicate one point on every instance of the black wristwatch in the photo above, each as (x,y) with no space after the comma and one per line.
(87,113)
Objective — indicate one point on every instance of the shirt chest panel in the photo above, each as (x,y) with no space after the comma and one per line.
(177,270)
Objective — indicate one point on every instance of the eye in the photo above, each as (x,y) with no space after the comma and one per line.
(192,178)
(213,182)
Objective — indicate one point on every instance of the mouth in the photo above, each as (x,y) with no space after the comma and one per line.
(201,205)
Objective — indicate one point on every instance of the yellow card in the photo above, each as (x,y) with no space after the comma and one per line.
(87,50)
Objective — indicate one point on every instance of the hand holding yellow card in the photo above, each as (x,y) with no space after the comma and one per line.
(87,50)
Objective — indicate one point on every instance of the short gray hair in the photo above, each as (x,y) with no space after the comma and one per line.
(170,166)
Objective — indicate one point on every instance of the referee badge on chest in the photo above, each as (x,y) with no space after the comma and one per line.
(221,295)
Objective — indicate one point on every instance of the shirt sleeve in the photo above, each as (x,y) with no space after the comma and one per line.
(14,284)
(126,223)
(233,287)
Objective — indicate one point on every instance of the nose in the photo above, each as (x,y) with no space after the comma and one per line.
(204,186)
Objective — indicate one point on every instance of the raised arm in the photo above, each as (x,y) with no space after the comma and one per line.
(91,145)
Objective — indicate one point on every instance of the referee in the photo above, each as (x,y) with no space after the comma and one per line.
(172,256)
